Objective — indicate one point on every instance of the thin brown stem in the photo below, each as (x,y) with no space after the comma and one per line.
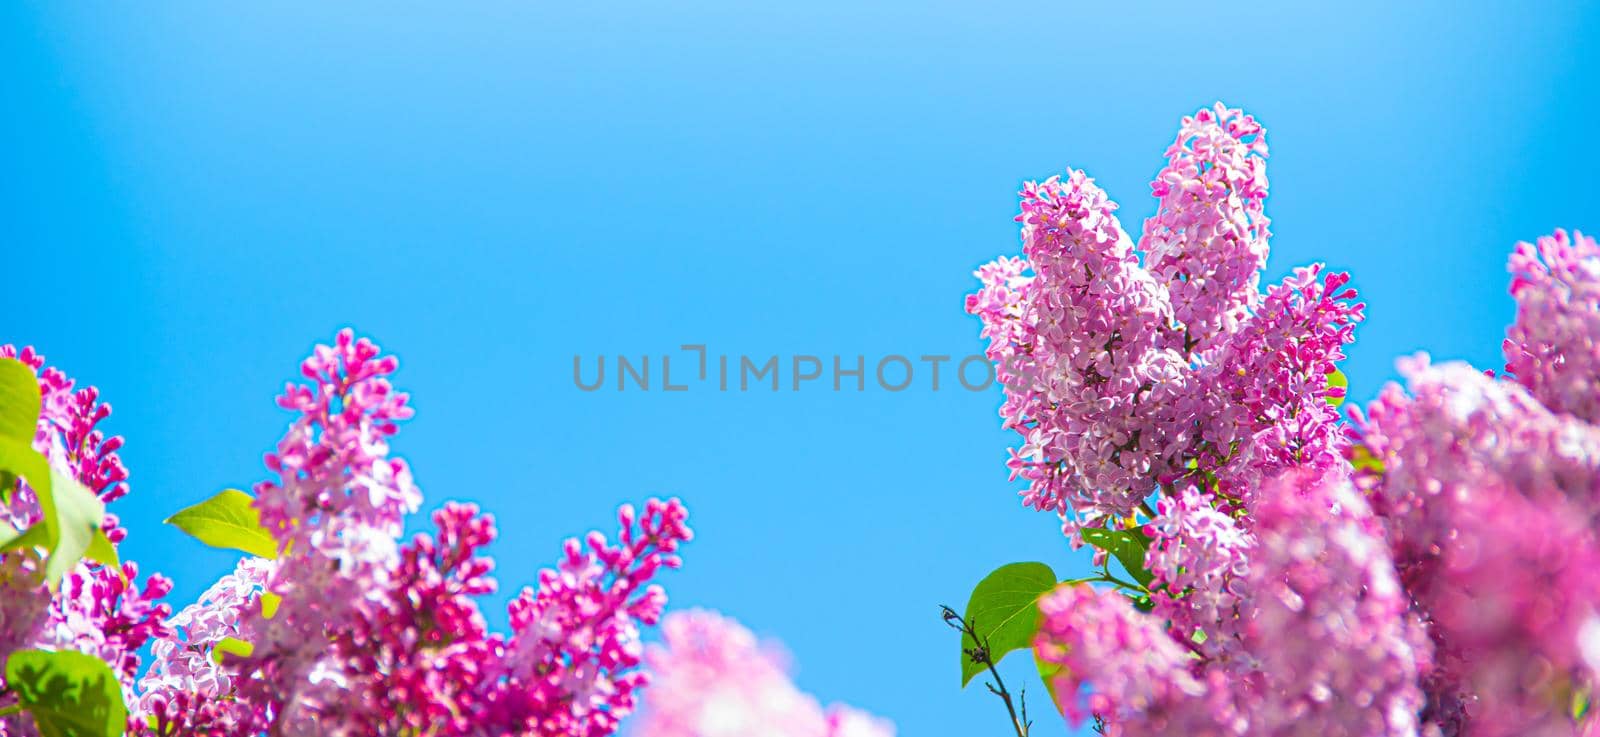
(979,653)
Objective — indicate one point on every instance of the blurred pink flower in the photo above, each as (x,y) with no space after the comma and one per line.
(714,679)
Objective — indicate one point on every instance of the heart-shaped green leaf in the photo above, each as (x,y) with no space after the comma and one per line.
(68,693)
(228,521)
(1004,610)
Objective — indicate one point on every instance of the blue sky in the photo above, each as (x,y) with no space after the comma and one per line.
(195,193)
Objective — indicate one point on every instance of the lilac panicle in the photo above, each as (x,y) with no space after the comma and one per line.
(1122,377)
(1551,348)
(1199,558)
(1207,242)
(96,609)
(1338,652)
(366,635)
(572,666)
(1120,665)
(1088,354)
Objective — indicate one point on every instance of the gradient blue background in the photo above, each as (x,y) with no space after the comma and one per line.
(195,193)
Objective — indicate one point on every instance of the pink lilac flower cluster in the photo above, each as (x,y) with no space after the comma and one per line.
(1489,490)
(1551,347)
(96,609)
(347,631)
(713,678)
(186,686)
(571,664)
(1335,652)
(402,648)
(1123,377)
(1431,568)
(1207,242)
(1198,560)
(1143,680)
(1315,637)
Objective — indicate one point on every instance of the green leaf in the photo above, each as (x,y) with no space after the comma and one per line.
(227,521)
(18,458)
(1362,459)
(36,536)
(1127,546)
(72,516)
(1004,610)
(19,419)
(1048,672)
(269,604)
(102,551)
(1337,380)
(19,400)
(68,693)
(231,646)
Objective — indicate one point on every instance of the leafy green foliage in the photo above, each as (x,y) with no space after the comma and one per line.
(18,458)
(1127,546)
(68,693)
(229,521)
(1004,611)
(33,537)
(71,514)
(19,400)
(231,646)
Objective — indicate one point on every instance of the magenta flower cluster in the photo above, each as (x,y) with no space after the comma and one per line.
(1429,568)
(96,609)
(1489,489)
(347,631)
(1124,376)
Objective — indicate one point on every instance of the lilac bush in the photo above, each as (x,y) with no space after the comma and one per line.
(1428,567)
(332,625)
(401,650)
